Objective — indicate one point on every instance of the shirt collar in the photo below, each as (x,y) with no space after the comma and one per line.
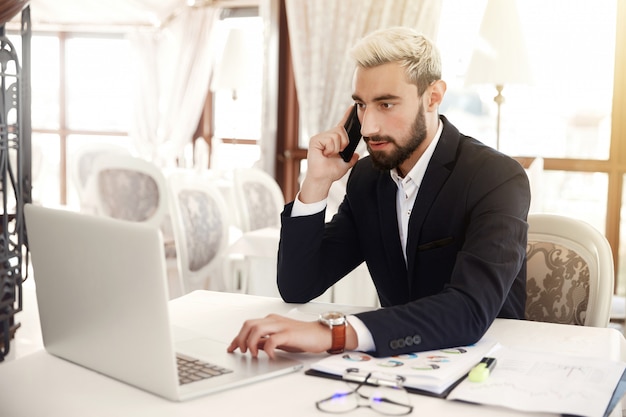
(416,174)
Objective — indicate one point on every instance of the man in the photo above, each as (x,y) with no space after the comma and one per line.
(439,218)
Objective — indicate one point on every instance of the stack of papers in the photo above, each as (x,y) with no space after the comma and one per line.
(431,372)
(523,380)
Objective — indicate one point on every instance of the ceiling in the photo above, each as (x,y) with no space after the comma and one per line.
(110,15)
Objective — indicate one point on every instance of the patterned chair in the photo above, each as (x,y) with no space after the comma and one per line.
(570,272)
(82,165)
(259,199)
(201,222)
(128,188)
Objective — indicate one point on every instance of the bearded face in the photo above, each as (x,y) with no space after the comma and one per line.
(402,147)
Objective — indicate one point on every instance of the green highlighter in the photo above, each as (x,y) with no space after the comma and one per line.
(481,372)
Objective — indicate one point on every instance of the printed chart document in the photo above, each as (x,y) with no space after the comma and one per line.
(432,372)
(524,380)
(543,382)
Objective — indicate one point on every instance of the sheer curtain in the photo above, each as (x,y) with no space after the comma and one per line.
(173,72)
(321,33)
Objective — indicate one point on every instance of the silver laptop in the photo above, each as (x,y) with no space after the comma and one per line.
(103,304)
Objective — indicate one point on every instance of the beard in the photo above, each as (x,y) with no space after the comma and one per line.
(387,161)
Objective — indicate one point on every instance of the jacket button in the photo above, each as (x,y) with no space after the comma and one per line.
(408,341)
(393,344)
(417,339)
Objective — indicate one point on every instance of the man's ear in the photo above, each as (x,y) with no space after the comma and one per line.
(437,91)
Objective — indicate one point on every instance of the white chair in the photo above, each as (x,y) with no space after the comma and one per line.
(200,219)
(128,188)
(81,168)
(570,272)
(259,199)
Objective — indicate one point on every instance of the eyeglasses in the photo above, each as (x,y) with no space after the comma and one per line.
(386,398)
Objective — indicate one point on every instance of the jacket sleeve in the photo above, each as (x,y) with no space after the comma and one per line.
(309,263)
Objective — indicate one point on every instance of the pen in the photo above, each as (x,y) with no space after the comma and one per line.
(481,371)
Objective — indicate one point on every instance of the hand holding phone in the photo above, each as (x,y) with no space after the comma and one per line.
(353,129)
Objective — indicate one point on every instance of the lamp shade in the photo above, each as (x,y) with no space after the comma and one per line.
(500,56)
(238,68)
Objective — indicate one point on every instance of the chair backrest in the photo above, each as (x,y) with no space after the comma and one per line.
(81,168)
(570,272)
(259,199)
(129,188)
(201,222)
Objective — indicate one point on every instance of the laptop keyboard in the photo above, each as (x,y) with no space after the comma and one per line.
(193,370)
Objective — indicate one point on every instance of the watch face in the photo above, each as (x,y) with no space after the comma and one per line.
(333,318)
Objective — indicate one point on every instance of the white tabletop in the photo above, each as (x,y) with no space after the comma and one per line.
(39,384)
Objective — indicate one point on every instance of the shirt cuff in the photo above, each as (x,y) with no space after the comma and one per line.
(302,209)
(365,339)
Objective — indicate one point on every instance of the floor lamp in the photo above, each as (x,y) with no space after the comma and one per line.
(236,69)
(500,57)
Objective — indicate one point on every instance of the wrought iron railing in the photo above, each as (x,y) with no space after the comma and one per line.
(15,177)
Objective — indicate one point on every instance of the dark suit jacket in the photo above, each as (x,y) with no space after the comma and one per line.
(466,247)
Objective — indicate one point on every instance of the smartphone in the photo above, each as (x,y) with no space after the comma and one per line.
(353,129)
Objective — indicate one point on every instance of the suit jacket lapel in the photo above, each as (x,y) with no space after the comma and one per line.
(436,175)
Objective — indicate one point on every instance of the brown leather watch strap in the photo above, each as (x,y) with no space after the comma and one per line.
(339,339)
(337,323)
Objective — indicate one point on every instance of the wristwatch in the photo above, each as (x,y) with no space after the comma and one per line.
(336,321)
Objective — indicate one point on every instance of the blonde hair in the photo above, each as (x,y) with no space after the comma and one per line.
(412,50)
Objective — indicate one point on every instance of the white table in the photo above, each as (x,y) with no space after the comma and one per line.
(255,273)
(39,384)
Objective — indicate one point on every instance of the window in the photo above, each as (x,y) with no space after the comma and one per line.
(564,116)
(237,90)
(81,91)
(85,96)
(98,86)
(565,111)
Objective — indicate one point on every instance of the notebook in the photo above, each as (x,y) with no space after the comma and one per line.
(103,304)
